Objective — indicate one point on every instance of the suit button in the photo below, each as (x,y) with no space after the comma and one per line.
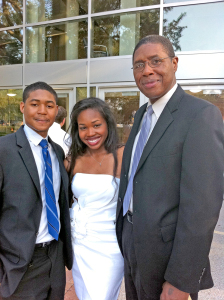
(37,233)
(119,199)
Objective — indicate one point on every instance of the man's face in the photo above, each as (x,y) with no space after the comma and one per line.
(40,110)
(154,82)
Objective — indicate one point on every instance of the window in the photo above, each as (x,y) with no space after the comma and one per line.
(102,5)
(195,27)
(118,34)
(11,13)
(215,95)
(60,41)
(11,47)
(10,116)
(45,10)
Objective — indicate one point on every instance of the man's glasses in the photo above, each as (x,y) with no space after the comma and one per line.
(153,63)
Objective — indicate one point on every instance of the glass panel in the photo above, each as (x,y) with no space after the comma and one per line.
(118,34)
(124,106)
(102,5)
(63,100)
(61,41)
(11,47)
(81,93)
(45,10)
(188,27)
(215,96)
(11,13)
(10,116)
(92,91)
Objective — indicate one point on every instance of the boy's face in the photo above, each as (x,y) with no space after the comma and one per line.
(40,110)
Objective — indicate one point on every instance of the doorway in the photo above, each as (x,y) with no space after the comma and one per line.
(65,99)
(124,102)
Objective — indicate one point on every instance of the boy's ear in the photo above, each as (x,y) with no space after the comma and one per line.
(22,104)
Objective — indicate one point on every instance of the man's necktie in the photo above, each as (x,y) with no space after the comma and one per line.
(146,124)
(52,214)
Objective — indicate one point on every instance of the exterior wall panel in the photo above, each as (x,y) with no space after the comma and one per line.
(201,66)
(111,70)
(11,75)
(63,72)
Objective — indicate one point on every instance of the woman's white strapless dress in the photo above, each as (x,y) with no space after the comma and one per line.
(98,266)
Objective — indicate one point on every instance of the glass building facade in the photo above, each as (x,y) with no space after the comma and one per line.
(83,48)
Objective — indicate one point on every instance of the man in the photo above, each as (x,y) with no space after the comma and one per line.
(35,240)
(56,133)
(171,183)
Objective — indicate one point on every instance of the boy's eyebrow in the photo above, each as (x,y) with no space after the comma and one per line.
(48,101)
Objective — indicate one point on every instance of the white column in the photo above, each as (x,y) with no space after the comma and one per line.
(72,28)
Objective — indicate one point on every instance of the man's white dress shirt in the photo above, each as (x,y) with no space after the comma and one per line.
(157,107)
(34,140)
(59,136)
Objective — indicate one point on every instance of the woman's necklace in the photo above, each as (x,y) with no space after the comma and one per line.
(97,160)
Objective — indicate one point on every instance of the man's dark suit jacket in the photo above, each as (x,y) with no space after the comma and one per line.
(177,194)
(21,207)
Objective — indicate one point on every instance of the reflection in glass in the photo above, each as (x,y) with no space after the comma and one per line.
(124,106)
(188,28)
(44,10)
(10,116)
(61,41)
(102,5)
(11,13)
(118,34)
(11,47)
(92,91)
(63,100)
(81,93)
(215,96)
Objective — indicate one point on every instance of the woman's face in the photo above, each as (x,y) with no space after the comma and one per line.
(92,129)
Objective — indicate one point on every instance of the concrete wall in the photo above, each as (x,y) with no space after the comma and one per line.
(196,67)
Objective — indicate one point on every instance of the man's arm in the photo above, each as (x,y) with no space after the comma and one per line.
(201,193)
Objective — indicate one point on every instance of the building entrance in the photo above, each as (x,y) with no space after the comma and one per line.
(124,102)
(65,99)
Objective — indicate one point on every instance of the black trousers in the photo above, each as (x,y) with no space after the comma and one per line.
(45,276)
(133,286)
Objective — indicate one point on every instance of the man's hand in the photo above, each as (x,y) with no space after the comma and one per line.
(172,293)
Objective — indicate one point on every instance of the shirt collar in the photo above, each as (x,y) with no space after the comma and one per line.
(159,105)
(56,125)
(32,136)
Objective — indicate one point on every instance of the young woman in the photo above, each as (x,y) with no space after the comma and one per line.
(94,166)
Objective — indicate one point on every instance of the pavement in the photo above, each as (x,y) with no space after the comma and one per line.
(70,291)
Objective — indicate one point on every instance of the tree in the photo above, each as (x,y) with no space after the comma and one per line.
(11,46)
(173,31)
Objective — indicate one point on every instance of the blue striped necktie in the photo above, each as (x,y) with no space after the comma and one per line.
(146,124)
(52,214)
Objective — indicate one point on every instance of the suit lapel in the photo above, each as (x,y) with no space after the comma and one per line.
(162,124)
(164,121)
(131,139)
(27,157)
